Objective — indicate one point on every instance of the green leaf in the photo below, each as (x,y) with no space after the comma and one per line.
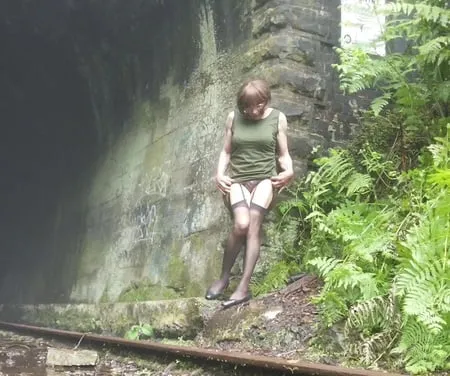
(147,330)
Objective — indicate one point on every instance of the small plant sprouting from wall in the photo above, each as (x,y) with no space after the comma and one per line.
(140,331)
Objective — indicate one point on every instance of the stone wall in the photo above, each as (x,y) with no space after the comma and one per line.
(161,84)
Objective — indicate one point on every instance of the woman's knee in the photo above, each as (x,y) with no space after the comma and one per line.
(256,218)
(241,226)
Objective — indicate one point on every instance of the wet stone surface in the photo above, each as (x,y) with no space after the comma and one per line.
(22,355)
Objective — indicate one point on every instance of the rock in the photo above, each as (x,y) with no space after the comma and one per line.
(272,313)
(70,358)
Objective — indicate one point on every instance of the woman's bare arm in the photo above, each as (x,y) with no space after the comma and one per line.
(223,181)
(284,158)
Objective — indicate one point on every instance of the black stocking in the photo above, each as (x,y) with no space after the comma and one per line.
(234,244)
(257,214)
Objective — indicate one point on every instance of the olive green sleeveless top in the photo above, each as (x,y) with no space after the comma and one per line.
(253,147)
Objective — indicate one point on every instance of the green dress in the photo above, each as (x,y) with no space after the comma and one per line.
(253,147)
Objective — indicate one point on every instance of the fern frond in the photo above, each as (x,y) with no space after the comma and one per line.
(379,103)
(359,184)
(440,152)
(333,307)
(440,177)
(442,90)
(347,276)
(435,51)
(425,288)
(363,230)
(366,314)
(372,327)
(324,265)
(276,278)
(431,13)
(423,350)
(339,171)
(337,168)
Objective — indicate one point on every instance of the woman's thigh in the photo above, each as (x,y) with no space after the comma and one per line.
(237,202)
(238,193)
(263,194)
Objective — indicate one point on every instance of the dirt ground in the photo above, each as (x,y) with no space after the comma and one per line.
(280,324)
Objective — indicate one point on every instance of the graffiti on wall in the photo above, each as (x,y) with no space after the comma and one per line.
(362,25)
(156,182)
(146,218)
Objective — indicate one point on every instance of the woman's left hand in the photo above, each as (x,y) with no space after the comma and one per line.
(282,179)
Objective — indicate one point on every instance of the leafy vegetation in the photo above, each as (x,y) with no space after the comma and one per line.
(141,331)
(373,220)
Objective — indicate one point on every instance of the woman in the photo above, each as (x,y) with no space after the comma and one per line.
(254,135)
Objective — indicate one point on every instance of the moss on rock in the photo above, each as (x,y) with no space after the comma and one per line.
(71,318)
(145,291)
(169,318)
(232,325)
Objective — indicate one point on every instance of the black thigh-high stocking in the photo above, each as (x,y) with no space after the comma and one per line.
(252,251)
(234,244)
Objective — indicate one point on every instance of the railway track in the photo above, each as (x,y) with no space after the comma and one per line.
(270,365)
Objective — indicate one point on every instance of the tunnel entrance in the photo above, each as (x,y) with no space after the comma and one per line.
(66,85)
(70,74)
(48,145)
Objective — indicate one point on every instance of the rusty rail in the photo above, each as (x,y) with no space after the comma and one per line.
(239,359)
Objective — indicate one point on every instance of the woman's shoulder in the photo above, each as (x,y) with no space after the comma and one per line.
(275,112)
(280,114)
(230,119)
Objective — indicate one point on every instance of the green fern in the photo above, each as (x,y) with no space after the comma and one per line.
(379,103)
(359,184)
(426,293)
(436,51)
(276,278)
(413,84)
(374,220)
(338,172)
(346,276)
(325,265)
(372,328)
(333,307)
(436,14)
(423,277)
(440,178)
(423,350)
(442,90)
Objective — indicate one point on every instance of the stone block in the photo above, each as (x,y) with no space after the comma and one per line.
(318,19)
(71,358)
(286,45)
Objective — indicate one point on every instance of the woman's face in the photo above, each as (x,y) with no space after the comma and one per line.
(255,112)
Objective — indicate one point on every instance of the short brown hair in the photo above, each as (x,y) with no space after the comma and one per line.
(253,92)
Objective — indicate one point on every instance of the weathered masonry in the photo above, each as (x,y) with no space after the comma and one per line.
(114,114)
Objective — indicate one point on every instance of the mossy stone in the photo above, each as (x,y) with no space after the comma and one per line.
(146,291)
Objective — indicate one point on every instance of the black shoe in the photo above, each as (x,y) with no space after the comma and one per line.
(215,295)
(233,302)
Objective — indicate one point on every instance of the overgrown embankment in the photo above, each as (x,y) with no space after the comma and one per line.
(374,219)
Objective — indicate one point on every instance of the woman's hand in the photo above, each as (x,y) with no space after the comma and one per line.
(224,183)
(282,179)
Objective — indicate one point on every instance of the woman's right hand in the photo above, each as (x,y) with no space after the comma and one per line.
(224,183)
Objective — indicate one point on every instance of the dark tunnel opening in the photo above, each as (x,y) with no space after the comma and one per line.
(58,119)
(47,145)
